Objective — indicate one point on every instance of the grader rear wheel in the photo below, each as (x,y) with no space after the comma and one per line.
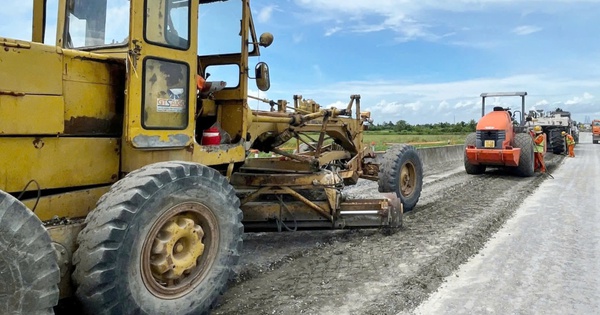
(29,272)
(163,240)
(402,173)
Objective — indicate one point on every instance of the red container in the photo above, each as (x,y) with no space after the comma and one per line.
(211,136)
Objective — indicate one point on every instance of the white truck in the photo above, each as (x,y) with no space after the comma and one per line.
(553,123)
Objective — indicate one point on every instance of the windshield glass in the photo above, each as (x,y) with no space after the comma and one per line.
(88,23)
(219,28)
(167,23)
(596,123)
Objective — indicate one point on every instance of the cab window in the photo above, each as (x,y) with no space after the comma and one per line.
(165,104)
(97,23)
(167,23)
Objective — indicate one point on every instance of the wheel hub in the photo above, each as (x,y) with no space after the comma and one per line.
(176,248)
(179,250)
(408,179)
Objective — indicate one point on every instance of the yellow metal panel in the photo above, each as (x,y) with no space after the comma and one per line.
(136,135)
(90,108)
(133,159)
(57,162)
(31,114)
(30,68)
(75,204)
(39,17)
(93,90)
(91,67)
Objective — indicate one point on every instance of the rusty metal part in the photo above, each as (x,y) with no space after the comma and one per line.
(64,238)
(322,135)
(300,158)
(257,180)
(278,165)
(309,203)
(408,179)
(92,125)
(230,170)
(179,250)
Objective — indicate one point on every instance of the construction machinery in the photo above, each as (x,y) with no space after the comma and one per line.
(595,131)
(501,140)
(125,179)
(553,123)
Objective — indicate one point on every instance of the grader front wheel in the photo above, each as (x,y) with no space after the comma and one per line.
(401,172)
(163,240)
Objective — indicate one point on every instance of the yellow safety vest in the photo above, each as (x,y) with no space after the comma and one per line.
(539,148)
(570,140)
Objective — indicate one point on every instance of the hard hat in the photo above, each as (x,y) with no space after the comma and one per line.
(537,129)
(563,133)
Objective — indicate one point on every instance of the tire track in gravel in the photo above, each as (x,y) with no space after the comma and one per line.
(365,272)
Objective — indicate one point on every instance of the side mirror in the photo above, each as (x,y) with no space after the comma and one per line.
(261,73)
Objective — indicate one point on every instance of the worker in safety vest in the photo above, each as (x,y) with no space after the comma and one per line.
(540,141)
(570,143)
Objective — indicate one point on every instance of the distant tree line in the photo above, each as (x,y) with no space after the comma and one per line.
(404,127)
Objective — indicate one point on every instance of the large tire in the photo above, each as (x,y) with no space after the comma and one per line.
(471,168)
(526,158)
(29,272)
(402,173)
(556,143)
(163,240)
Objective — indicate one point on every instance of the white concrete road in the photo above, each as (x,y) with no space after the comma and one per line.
(546,259)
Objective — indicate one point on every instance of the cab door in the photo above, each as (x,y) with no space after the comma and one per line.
(161,88)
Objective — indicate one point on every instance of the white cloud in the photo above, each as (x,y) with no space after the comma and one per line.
(337,104)
(264,15)
(332,30)
(424,102)
(526,29)
(585,98)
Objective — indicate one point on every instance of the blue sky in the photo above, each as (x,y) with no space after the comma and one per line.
(422,61)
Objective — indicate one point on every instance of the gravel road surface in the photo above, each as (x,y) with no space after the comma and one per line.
(546,259)
(368,272)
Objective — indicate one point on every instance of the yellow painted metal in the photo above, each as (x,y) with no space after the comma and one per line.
(30,68)
(74,204)
(278,165)
(31,114)
(39,17)
(178,252)
(64,238)
(133,159)
(93,93)
(60,22)
(142,50)
(57,162)
(209,108)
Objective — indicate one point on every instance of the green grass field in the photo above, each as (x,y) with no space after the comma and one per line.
(382,141)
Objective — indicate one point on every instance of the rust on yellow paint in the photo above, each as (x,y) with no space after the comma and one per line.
(74,204)
(31,114)
(57,162)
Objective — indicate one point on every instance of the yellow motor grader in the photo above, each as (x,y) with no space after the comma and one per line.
(125,175)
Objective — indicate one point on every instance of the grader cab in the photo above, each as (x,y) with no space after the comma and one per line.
(125,175)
